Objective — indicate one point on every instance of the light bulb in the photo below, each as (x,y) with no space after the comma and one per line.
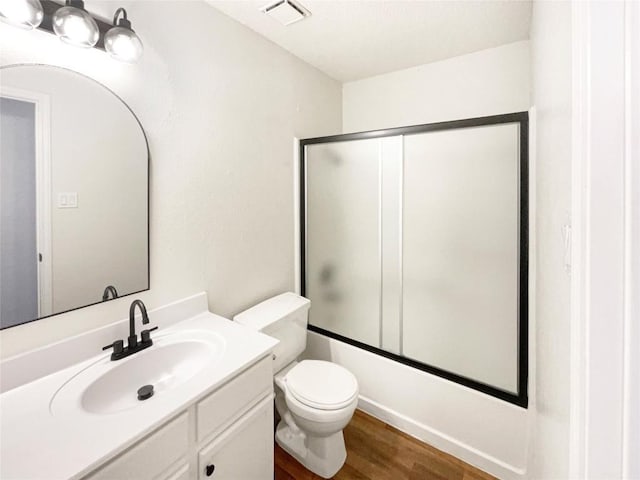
(26,14)
(75,26)
(121,41)
(123,44)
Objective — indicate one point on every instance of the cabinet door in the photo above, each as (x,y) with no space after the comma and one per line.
(229,402)
(149,457)
(243,451)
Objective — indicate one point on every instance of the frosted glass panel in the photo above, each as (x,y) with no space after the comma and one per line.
(342,270)
(460,252)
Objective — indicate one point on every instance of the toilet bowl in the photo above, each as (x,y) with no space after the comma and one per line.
(315,399)
(319,400)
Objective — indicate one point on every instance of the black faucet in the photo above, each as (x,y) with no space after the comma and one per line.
(133,337)
(133,346)
(109,290)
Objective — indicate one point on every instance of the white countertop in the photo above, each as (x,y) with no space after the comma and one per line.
(36,444)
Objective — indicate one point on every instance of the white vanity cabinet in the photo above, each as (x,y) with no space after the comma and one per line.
(226,435)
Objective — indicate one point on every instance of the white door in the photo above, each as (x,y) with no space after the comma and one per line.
(25,191)
(18,229)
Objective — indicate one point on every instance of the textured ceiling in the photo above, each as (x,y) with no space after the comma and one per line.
(353,39)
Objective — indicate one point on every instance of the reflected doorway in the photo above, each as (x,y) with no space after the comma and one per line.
(25,273)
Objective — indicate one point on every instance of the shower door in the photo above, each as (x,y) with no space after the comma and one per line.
(342,265)
(414,246)
(460,252)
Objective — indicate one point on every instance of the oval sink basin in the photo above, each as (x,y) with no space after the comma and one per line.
(108,387)
(164,367)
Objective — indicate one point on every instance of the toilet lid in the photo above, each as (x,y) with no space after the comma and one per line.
(322,385)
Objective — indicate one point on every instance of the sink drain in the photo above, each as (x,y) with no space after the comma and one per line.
(145,392)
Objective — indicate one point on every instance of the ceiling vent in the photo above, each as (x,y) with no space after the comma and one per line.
(286,11)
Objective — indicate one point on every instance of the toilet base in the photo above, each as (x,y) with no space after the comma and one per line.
(323,456)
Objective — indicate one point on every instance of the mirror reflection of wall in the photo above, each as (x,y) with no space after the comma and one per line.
(74,198)
(414,247)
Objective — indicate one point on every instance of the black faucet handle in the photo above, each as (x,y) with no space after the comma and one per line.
(132,341)
(118,346)
(146,335)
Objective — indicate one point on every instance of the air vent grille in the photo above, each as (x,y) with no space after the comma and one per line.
(286,11)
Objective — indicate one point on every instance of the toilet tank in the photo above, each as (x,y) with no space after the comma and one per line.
(283,317)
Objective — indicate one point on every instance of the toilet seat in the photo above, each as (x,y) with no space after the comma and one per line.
(311,414)
(322,385)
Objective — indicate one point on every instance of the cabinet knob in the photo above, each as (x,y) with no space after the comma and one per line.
(209,470)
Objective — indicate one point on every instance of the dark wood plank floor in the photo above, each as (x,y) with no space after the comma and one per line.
(377,451)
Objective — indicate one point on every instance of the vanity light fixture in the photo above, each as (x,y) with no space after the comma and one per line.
(73,25)
(121,41)
(27,14)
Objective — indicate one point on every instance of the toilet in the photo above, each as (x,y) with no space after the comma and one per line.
(315,399)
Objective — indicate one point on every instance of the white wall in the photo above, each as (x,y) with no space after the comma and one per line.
(631,460)
(482,430)
(220,105)
(488,82)
(551,87)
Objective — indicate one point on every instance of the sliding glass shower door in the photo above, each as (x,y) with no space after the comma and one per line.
(460,252)
(343,270)
(414,246)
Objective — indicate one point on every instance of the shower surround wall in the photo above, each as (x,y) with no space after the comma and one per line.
(482,430)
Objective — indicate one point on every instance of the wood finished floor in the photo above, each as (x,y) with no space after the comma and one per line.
(377,451)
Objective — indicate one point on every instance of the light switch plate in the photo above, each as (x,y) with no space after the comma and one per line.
(68,200)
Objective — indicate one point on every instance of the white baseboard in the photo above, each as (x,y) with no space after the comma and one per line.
(441,441)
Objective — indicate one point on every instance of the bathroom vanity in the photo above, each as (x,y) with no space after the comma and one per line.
(211,414)
(221,436)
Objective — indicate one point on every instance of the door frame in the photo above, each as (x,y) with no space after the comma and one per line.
(605,288)
(42,105)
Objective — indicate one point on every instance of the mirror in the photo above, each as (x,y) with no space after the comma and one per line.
(415,247)
(74,192)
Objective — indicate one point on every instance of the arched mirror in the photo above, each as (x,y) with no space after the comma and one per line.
(74,191)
